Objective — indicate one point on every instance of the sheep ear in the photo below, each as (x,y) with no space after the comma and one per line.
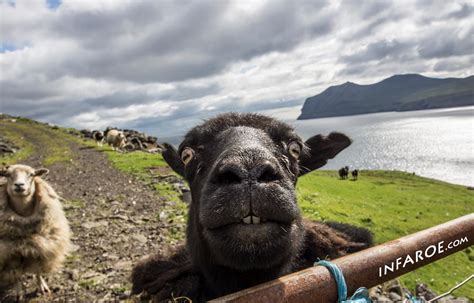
(3,171)
(170,154)
(322,148)
(41,172)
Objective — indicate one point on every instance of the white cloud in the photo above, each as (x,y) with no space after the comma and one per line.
(161,66)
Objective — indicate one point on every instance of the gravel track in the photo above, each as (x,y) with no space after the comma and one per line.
(114,219)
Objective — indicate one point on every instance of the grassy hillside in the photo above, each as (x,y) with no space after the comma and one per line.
(24,132)
(391,205)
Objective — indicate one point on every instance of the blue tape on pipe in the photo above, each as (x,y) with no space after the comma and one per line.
(361,295)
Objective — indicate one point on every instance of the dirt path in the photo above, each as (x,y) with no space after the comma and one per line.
(114,219)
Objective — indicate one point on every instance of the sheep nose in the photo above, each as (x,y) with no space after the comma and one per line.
(18,184)
(265,172)
(234,174)
(230,174)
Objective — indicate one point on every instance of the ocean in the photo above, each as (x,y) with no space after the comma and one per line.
(435,143)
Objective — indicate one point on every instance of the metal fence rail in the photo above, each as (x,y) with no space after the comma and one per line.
(367,268)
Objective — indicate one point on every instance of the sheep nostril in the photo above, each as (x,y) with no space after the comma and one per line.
(267,173)
(228,176)
(19,187)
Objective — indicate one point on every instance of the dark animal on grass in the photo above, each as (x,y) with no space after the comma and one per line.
(355,174)
(99,137)
(344,172)
(244,224)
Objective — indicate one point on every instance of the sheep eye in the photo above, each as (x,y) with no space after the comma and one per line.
(294,148)
(187,155)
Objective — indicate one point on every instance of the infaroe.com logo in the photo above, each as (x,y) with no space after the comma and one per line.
(419,255)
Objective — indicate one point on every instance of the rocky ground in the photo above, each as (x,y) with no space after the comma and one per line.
(115,221)
(7,147)
(393,291)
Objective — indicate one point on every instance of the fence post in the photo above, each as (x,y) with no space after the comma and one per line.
(367,268)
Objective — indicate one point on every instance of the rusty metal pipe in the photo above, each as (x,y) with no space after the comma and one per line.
(367,268)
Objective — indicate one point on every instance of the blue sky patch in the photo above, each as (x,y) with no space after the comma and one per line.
(9,2)
(53,4)
(7,47)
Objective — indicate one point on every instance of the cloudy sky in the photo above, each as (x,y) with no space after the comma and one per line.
(161,66)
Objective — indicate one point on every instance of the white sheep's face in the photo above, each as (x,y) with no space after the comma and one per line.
(20,179)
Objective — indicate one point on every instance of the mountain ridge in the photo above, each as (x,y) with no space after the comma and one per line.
(396,93)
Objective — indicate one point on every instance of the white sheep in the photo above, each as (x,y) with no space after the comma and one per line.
(34,232)
(116,139)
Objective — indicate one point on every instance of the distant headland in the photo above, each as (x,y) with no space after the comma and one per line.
(397,93)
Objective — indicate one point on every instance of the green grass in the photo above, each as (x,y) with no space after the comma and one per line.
(88,283)
(392,205)
(176,211)
(137,163)
(25,147)
(73,204)
(54,141)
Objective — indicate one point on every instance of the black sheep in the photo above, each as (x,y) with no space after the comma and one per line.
(355,174)
(244,225)
(344,172)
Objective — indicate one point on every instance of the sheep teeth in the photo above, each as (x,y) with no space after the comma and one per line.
(251,220)
(255,220)
(247,220)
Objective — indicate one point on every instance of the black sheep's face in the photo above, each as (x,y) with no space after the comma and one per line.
(242,170)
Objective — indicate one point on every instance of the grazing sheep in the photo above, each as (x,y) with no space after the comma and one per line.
(86,133)
(344,172)
(355,174)
(109,128)
(244,225)
(116,139)
(99,137)
(34,233)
